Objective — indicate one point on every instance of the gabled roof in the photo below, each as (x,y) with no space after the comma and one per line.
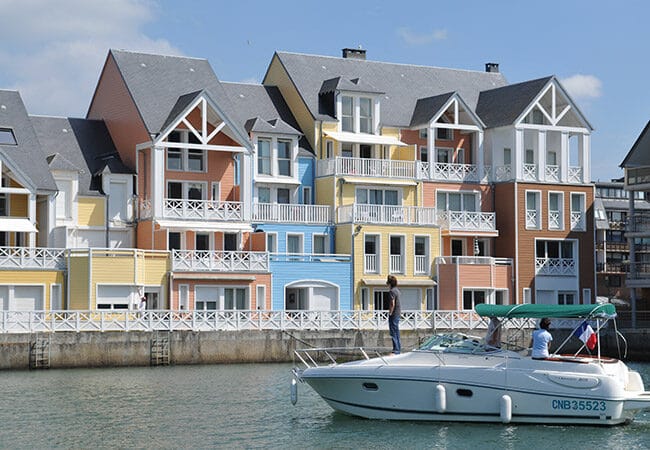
(181,105)
(159,85)
(639,154)
(353,85)
(426,108)
(503,105)
(402,84)
(81,145)
(26,158)
(273,126)
(255,101)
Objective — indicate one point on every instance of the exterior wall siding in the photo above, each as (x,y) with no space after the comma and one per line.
(91,212)
(44,278)
(78,278)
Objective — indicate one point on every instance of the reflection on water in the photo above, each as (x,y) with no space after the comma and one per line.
(237,406)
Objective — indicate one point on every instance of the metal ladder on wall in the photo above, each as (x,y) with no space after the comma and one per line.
(39,352)
(159,350)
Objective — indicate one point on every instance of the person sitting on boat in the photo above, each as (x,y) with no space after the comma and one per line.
(493,335)
(542,339)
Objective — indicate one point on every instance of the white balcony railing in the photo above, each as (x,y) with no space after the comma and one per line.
(485,260)
(291,213)
(421,265)
(467,220)
(554,220)
(366,167)
(202,210)
(503,173)
(370,263)
(32,258)
(530,172)
(552,173)
(396,264)
(219,261)
(555,266)
(532,218)
(387,214)
(575,175)
(464,173)
(578,222)
(23,322)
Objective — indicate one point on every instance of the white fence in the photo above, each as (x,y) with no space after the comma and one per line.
(16,322)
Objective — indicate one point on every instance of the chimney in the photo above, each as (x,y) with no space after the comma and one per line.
(492,67)
(354,53)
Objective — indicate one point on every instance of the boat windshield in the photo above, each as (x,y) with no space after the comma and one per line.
(456,343)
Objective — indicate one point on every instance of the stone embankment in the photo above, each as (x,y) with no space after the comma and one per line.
(115,349)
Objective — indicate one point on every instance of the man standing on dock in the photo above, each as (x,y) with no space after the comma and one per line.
(394,312)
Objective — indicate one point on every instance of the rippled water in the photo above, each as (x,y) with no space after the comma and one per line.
(241,406)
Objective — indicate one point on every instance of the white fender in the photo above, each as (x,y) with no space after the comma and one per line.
(294,391)
(440,398)
(505,409)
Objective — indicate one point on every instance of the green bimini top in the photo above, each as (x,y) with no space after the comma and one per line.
(606,310)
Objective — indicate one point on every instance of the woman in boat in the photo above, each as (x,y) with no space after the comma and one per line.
(394,311)
(542,339)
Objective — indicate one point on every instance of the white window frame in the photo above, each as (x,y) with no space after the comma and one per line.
(365,298)
(474,290)
(449,137)
(210,239)
(586,296)
(53,295)
(526,296)
(260,293)
(66,187)
(402,255)
(259,156)
(427,253)
(183,296)
(306,195)
(326,243)
(377,254)
(329,149)
(274,155)
(235,289)
(215,188)
(475,194)
(560,211)
(182,239)
(424,150)
(538,209)
(301,237)
(184,153)
(270,190)
(423,133)
(217,301)
(449,152)
(399,191)
(356,112)
(185,186)
(583,206)
(274,238)
(564,294)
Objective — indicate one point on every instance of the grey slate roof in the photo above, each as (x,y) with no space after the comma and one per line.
(27,155)
(274,126)
(502,106)
(426,108)
(403,84)
(80,145)
(255,101)
(639,154)
(353,85)
(157,83)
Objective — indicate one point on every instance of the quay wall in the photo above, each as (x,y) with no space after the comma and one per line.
(134,348)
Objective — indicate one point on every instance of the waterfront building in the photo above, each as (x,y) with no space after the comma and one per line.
(636,165)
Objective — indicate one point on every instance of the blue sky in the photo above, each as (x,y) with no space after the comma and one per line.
(53,50)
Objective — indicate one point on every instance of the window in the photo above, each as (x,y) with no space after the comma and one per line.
(202,241)
(500,297)
(185,190)
(231,242)
(4,207)
(320,244)
(195,191)
(284,158)
(260,296)
(443,155)
(365,115)
(346,150)
(364,299)
(367,196)
(7,137)
(365,151)
(264,156)
(174,189)
(397,264)
(174,240)
(554,249)
(380,300)
(271,242)
(329,150)
(424,133)
(529,157)
(284,196)
(551,158)
(507,156)
(578,216)
(456,201)
(555,213)
(371,253)
(64,199)
(533,210)
(424,154)
(263,195)
(306,195)
(347,113)
(457,247)
(432,301)
(421,254)
(183,296)
(184,159)
(566,298)
(216,191)
(444,134)
(235,298)
(460,156)
(472,298)
(294,243)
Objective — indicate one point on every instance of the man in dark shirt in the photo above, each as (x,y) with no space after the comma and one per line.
(394,311)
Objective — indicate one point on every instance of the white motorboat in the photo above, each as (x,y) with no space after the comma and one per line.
(456,377)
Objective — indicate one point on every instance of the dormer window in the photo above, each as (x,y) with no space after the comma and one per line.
(347,113)
(284,158)
(7,137)
(275,157)
(365,115)
(357,114)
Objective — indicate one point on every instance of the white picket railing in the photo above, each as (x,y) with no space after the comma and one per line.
(467,220)
(219,261)
(366,167)
(387,214)
(555,266)
(20,322)
(202,210)
(32,258)
(291,213)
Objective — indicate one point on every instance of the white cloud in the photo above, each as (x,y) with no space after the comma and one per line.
(582,86)
(413,38)
(53,52)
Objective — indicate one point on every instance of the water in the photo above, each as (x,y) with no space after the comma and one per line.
(242,406)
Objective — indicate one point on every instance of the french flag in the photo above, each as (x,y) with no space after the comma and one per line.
(587,335)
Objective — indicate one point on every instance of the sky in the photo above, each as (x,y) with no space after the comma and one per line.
(52,51)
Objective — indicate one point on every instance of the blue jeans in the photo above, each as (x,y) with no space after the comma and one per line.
(393,328)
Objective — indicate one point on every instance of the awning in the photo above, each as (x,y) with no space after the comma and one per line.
(361,138)
(382,282)
(17,225)
(184,225)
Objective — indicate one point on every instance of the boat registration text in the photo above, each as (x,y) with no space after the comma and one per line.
(579,405)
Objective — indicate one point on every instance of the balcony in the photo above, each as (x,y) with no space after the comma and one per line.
(555,266)
(207,210)
(385,214)
(578,221)
(288,213)
(219,261)
(370,264)
(467,221)
(613,267)
(462,173)
(531,172)
(32,258)
(366,167)
(638,225)
(422,265)
(396,264)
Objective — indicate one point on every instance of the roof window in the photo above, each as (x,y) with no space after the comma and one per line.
(7,137)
